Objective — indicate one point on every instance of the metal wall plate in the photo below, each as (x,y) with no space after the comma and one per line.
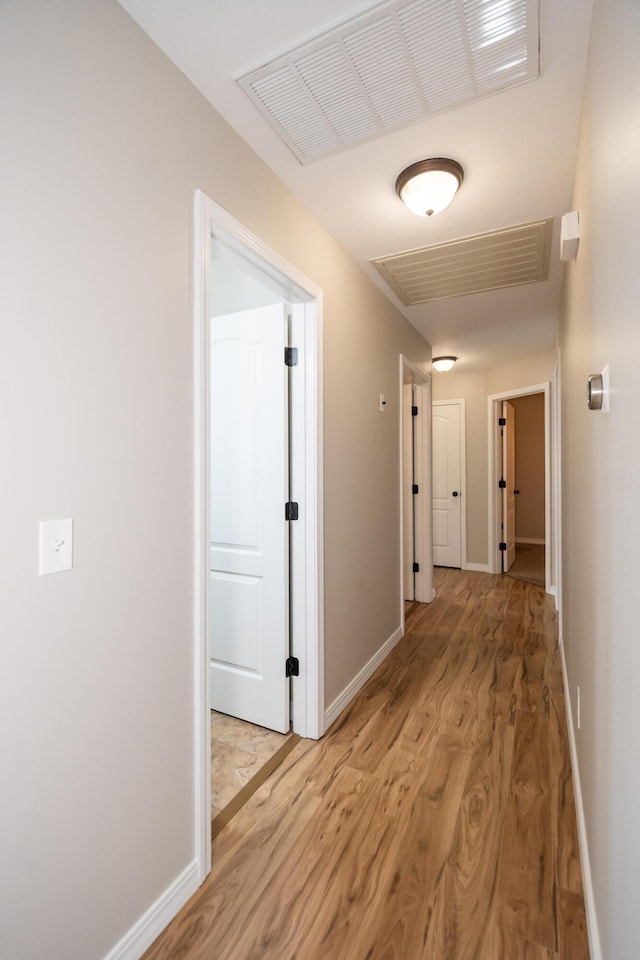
(595,391)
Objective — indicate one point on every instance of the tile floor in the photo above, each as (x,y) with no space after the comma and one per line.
(239,750)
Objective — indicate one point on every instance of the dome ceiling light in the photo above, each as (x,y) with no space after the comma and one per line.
(443,364)
(428,186)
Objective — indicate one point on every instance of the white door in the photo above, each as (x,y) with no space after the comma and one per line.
(509,493)
(408,512)
(447,491)
(248,615)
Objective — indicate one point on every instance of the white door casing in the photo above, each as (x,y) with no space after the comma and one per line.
(213,225)
(508,492)
(408,513)
(249,556)
(551,522)
(421,547)
(447,484)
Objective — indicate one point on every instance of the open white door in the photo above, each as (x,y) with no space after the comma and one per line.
(509,493)
(447,487)
(249,555)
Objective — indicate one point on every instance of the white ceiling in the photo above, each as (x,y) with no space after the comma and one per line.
(517,148)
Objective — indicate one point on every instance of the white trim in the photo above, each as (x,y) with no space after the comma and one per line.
(557,483)
(493,454)
(307,541)
(477,567)
(533,540)
(424,592)
(463,477)
(202,729)
(153,922)
(354,686)
(307,546)
(595,946)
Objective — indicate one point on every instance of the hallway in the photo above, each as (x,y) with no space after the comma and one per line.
(436,818)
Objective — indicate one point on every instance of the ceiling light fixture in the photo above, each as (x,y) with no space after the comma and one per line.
(428,186)
(443,364)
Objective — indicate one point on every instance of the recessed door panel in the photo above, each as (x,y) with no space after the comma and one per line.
(447,493)
(248,611)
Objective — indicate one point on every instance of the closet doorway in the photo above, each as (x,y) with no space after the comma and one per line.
(520,509)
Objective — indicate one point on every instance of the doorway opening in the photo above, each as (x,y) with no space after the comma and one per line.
(240,285)
(415,486)
(523,500)
(521,536)
(243,756)
(449,484)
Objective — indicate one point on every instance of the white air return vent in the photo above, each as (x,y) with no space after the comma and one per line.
(488,261)
(392,67)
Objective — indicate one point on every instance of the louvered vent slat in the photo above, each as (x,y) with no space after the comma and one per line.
(394,66)
(379,60)
(504,258)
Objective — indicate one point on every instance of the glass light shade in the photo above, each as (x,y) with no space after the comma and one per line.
(427,187)
(443,364)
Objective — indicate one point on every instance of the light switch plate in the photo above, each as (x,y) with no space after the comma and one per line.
(56,546)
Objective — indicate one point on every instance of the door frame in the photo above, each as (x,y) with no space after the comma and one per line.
(306,549)
(495,465)
(424,592)
(463,479)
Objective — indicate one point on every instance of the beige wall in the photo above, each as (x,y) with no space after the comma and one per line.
(601,465)
(475,388)
(104,143)
(529,441)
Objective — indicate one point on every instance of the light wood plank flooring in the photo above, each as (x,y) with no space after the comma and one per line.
(435,820)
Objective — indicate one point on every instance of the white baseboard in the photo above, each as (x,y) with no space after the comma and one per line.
(477,567)
(595,945)
(530,540)
(158,916)
(352,688)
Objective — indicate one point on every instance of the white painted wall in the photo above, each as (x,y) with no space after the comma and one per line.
(601,465)
(104,143)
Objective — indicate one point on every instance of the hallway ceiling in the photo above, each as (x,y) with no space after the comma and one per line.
(517,145)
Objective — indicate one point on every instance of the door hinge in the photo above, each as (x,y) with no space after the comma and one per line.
(414,411)
(416,567)
(503,546)
(291,356)
(292,667)
(415,488)
(502,484)
(502,421)
(291,510)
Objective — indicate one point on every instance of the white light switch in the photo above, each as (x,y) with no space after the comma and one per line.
(56,546)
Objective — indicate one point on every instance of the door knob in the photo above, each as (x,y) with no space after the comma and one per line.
(516,491)
(455,493)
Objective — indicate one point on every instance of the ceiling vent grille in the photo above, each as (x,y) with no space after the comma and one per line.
(488,261)
(392,67)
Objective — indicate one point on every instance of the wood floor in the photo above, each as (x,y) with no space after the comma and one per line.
(435,820)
